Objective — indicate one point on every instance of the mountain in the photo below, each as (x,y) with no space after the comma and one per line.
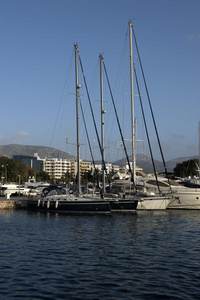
(145,163)
(142,161)
(171,164)
(42,151)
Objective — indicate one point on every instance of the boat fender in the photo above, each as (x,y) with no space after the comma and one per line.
(48,204)
(56,205)
(43,203)
(38,203)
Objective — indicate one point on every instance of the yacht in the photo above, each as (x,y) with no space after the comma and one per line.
(13,189)
(182,197)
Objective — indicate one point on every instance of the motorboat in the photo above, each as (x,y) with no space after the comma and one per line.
(14,189)
(181,196)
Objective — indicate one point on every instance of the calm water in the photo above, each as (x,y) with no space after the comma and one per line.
(147,255)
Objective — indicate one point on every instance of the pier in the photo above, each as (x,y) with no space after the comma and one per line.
(13,203)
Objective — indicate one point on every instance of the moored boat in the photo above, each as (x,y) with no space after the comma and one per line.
(182,197)
(185,198)
(69,204)
(154,202)
(79,204)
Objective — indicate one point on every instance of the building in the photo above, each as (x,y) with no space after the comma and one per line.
(31,161)
(85,166)
(56,168)
(109,167)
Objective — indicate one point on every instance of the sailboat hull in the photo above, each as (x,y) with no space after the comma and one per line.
(151,203)
(123,205)
(81,205)
(73,206)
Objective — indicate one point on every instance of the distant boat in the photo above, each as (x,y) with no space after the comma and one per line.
(9,189)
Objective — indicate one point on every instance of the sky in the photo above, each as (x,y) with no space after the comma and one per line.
(37,80)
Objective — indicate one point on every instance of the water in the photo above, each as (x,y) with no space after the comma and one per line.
(147,255)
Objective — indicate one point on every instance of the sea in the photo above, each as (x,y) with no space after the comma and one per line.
(143,255)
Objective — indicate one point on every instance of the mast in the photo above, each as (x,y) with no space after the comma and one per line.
(102,124)
(132,101)
(78,86)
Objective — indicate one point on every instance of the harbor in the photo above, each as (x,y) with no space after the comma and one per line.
(100,150)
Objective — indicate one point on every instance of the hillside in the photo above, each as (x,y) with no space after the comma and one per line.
(171,164)
(143,161)
(43,152)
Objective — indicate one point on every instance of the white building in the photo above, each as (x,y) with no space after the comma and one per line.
(109,167)
(56,168)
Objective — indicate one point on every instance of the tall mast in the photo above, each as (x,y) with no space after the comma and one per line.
(102,123)
(132,100)
(77,118)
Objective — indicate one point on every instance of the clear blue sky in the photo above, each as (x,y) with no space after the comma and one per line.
(36,55)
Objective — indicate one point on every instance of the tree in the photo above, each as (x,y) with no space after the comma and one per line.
(68,178)
(91,176)
(13,170)
(43,176)
(186,168)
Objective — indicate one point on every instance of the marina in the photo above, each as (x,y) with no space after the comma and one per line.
(102,201)
(99,162)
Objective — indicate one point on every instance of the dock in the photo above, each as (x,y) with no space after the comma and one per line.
(19,202)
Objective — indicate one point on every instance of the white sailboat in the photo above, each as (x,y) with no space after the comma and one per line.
(149,202)
(119,202)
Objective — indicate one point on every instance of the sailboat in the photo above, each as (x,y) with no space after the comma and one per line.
(118,203)
(158,201)
(180,197)
(70,203)
(125,203)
